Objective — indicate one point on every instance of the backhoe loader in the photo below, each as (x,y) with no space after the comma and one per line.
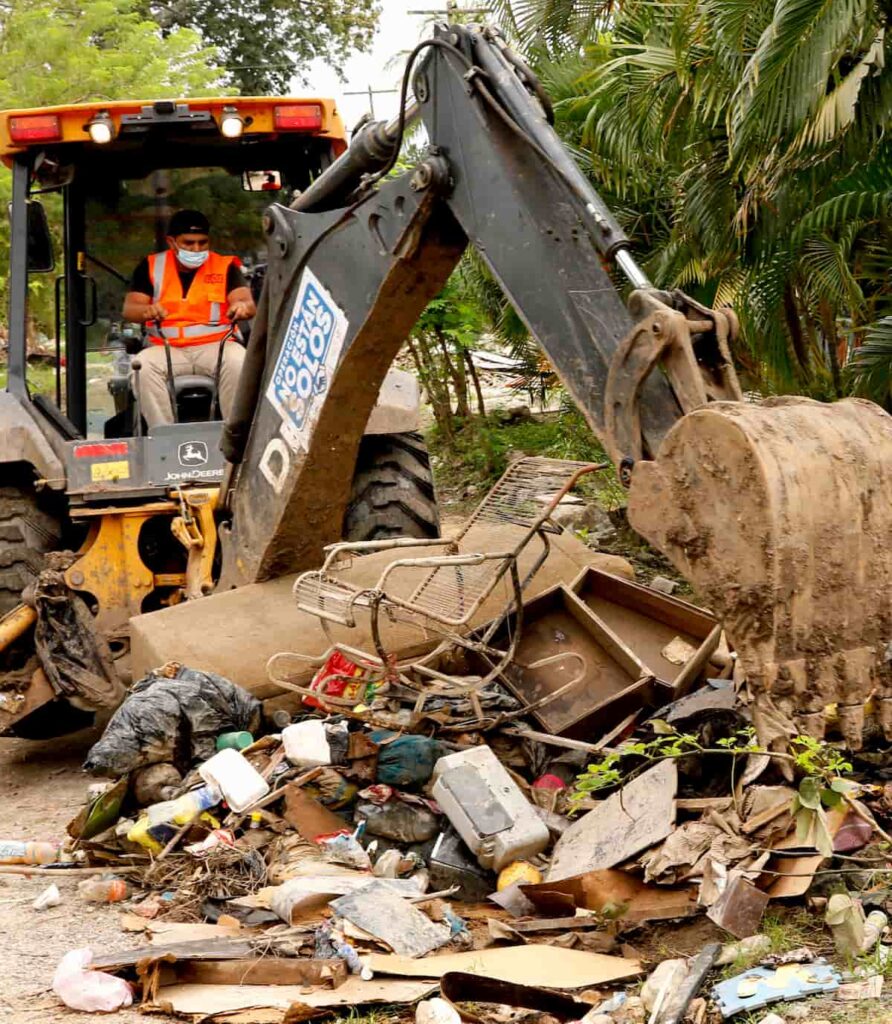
(778,511)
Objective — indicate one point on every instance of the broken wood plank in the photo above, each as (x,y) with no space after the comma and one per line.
(267,970)
(203,949)
(556,924)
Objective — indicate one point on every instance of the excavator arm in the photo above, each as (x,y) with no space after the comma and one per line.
(720,486)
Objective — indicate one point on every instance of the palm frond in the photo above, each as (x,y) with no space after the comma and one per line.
(786,78)
(871,368)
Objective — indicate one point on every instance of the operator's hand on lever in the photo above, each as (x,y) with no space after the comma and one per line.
(240,311)
(155,311)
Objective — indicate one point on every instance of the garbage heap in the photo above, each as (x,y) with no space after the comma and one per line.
(478,860)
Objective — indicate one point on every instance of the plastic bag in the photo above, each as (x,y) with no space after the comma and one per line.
(406,760)
(93,991)
(174,715)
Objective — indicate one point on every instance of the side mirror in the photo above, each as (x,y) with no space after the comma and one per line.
(40,242)
(261,181)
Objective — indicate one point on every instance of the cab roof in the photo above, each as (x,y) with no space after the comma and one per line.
(187,119)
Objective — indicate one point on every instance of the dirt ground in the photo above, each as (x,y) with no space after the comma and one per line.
(41,788)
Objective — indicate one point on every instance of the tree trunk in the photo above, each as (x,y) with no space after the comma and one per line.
(456,373)
(797,336)
(831,338)
(437,392)
(475,379)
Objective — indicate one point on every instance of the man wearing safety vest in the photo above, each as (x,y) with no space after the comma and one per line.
(194,293)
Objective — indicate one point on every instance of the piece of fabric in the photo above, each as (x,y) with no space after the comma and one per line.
(154,400)
(172,716)
(196,318)
(141,281)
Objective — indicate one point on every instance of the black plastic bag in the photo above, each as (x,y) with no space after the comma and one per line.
(174,714)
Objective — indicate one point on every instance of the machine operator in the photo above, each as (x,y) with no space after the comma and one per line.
(193,293)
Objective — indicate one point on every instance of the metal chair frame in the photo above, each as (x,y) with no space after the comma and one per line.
(458,584)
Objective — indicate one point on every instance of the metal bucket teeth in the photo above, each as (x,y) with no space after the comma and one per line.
(780,515)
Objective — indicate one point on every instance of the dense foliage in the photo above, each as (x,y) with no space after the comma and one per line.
(744,145)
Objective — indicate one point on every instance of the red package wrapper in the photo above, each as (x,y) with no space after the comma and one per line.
(342,678)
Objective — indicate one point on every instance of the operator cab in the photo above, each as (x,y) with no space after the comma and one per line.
(93,189)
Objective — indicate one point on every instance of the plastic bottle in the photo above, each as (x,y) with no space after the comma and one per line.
(234,740)
(172,812)
(103,890)
(14,851)
(185,807)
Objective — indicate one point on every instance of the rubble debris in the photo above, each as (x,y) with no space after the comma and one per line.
(663,585)
(617,894)
(473,988)
(451,864)
(399,836)
(50,897)
(154,783)
(739,908)
(667,977)
(855,991)
(680,994)
(436,1011)
(620,827)
(379,912)
(307,815)
(751,947)
(172,712)
(853,932)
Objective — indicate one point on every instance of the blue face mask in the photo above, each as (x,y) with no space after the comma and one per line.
(192,260)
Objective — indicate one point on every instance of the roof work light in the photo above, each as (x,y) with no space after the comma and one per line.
(101,128)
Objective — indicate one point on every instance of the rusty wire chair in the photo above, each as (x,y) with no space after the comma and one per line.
(454,589)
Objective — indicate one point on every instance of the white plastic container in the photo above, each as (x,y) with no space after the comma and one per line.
(487,808)
(240,784)
(306,744)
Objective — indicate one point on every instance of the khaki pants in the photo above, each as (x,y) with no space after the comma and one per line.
(154,401)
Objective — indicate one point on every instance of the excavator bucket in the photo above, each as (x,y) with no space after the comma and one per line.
(780,515)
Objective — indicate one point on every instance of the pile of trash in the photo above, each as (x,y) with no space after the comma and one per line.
(363,851)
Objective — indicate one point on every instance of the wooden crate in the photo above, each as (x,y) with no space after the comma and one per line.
(615,683)
(646,621)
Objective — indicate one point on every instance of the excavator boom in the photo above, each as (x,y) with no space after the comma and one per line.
(723,487)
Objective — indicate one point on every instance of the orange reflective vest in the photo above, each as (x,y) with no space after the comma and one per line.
(198,318)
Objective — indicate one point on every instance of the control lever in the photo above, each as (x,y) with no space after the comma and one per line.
(171,389)
(136,366)
(216,391)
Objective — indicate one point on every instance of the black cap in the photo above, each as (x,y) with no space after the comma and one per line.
(187,222)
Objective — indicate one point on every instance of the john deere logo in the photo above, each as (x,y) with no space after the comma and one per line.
(192,453)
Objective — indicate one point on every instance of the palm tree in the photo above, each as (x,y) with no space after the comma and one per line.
(743,143)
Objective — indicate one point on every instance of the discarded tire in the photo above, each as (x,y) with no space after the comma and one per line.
(27,531)
(393,490)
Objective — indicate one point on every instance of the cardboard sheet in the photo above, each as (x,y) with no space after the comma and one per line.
(623,896)
(533,964)
(207,1000)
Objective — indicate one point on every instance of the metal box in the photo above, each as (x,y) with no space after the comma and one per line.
(487,809)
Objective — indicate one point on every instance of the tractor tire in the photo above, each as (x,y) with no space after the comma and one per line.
(393,490)
(27,532)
